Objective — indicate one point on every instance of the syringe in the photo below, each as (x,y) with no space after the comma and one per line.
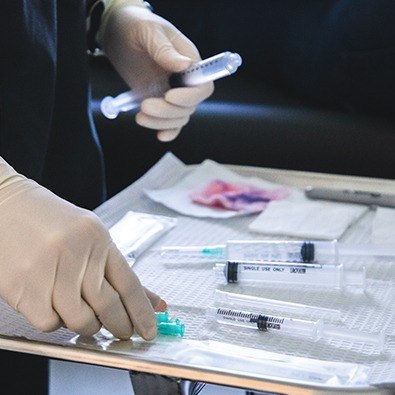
(259,303)
(313,330)
(286,273)
(210,69)
(193,254)
(303,251)
(307,251)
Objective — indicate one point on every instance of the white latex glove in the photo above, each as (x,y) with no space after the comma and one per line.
(59,266)
(143,47)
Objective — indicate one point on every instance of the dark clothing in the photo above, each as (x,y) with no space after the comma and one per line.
(46,130)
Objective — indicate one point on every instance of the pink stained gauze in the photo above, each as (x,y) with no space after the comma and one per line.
(236,196)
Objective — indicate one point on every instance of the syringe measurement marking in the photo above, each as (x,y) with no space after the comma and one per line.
(264,322)
(199,67)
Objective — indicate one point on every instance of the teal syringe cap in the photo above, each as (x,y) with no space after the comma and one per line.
(215,251)
(171,328)
(162,316)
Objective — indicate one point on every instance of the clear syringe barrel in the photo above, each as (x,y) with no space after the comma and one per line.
(283,251)
(210,69)
(308,251)
(313,330)
(264,322)
(259,303)
(285,273)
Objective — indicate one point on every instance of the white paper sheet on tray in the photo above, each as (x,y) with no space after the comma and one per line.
(290,213)
(178,197)
(189,290)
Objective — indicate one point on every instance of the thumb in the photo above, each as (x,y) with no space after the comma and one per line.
(170,48)
(165,54)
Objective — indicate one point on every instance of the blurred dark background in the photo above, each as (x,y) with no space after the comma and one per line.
(315,91)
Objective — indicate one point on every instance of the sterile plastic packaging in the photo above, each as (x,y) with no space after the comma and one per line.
(136,231)
(313,330)
(192,254)
(259,303)
(287,273)
(283,251)
(303,251)
(210,69)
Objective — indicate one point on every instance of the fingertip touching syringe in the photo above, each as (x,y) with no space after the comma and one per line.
(169,326)
(210,69)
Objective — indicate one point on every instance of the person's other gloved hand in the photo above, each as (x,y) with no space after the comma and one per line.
(143,47)
(59,266)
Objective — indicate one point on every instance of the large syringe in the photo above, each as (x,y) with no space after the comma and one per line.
(287,273)
(210,69)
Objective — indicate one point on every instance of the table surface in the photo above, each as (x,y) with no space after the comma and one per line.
(151,357)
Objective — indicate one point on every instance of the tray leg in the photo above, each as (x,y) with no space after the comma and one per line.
(154,384)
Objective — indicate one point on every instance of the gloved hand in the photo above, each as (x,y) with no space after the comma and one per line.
(59,266)
(143,47)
